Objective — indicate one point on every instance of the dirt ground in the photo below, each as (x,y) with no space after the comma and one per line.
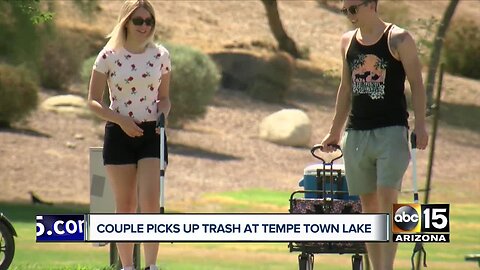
(49,153)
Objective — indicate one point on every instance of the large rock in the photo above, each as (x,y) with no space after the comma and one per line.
(290,127)
(67,104)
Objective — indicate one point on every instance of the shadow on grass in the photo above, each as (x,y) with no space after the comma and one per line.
(24,212)
(186,150)
(464,116)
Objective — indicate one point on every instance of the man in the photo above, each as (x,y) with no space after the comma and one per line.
(377,56)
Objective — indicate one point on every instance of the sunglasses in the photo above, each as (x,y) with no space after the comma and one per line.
(138,21)
(353,9)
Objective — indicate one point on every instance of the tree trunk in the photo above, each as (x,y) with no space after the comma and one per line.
(437,48)
(285,43)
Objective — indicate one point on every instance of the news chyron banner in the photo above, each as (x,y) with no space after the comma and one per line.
(421,223)
(213,228)
(61,228)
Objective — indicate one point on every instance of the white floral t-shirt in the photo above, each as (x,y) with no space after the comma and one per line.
(133,79)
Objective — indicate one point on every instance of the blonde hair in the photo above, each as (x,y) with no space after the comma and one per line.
(118,36)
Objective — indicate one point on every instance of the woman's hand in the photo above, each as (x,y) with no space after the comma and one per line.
(157,129)
(130,127)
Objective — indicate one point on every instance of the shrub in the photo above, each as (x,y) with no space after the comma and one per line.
(273,79)
(424,30)
(462,48)
(195,79)
(61,60)
(86,70)
(92,39)
(18,94)
(86,73)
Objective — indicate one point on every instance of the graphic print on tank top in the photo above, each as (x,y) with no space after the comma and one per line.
(368,76)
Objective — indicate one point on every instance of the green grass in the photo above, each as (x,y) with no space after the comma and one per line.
(252,200)
(260,196)
(465,228)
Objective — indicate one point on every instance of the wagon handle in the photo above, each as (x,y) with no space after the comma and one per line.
(317,147)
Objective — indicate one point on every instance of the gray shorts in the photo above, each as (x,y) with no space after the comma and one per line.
(374,158)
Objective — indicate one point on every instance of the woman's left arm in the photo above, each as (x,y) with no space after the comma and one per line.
(163,98)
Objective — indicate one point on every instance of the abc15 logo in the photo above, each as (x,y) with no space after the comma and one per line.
(415,218)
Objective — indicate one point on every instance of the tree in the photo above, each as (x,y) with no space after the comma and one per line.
(437,48)
(32,10)
(19,34)
(285,43)
(26,26)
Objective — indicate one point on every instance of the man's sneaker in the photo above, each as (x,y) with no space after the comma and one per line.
(151,267)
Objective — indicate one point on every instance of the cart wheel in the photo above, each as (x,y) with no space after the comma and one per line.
(7,246)
(357,262)
(305,261)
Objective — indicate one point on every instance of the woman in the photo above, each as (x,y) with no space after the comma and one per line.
(137,73)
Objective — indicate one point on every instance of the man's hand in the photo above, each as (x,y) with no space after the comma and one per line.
(329,140)
(422,136)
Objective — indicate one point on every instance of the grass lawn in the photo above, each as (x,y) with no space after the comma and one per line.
(465,239)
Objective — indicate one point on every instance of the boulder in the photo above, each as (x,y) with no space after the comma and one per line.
(67,105)
(291,127)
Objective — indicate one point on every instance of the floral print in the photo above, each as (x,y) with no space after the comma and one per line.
(133,79)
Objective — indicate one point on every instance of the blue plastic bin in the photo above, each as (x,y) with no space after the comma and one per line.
(309,182)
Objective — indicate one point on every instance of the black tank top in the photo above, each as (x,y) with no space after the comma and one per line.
(378,86)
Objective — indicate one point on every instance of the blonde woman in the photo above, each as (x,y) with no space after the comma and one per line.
(137,73)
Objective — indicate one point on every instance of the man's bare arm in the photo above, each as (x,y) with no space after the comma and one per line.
(404,45)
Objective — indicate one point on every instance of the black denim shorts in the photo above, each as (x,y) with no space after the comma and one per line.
(119,148)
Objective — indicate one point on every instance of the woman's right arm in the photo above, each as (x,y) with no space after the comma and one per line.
(98,81)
